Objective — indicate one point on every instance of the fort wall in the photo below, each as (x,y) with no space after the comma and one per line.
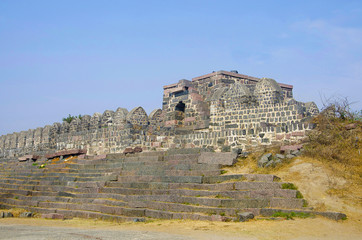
(221,111)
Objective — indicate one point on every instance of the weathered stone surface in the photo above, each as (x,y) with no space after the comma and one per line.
(351,126)
(53,216)
(290,148)
(26,214)
(227,159)
(220,111)
(6,215)
(263,161)
(271,163)
(245,216)
(28,157)
(128,151)
(66,153)
(137,149)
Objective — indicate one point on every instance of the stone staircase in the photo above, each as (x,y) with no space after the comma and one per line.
(140,186)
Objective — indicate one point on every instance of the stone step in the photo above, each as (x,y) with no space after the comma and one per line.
(135,212)
(184,215)
(77,213)
(178,207)
(97,215)
(57,174)
(136,164)
(109,177)
(156,188)
(266,193)
(151,172)
(170,185)
(240,177)
(174,179)
(175,157)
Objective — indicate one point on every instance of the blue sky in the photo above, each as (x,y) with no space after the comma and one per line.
(80,57)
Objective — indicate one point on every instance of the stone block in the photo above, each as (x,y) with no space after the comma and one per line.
(6,215)
(225,159)
(290,147)
(128,151)
(245,216)
(26,215)
(137,149)
(52,216)
(264,160)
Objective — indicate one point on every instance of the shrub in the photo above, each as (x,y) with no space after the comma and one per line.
(336,138)
(299,195)
(289,186)
(70,118)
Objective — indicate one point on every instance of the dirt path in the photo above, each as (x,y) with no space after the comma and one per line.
(317,228)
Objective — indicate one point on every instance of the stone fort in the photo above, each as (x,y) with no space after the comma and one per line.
(220,111)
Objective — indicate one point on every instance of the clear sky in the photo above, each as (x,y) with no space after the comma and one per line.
(81,57)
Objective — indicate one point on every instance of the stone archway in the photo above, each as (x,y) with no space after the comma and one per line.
(180,107)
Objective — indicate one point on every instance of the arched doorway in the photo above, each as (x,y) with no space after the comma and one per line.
(180,107)
(180,113)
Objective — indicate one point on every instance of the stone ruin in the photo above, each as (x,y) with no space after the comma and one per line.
(220,111)
(128,166)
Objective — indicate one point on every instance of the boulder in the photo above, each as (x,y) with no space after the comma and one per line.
(6,214)
(350,126)
(28,157)
(66,153)
(128,151)
(289,156)
(295,153)
(137,149)
(264,159)
(271,163)
(280,156)
(245,216)
(288,148)
(26,214)
(277,161)
(138,220)
(237,151)
(244,154)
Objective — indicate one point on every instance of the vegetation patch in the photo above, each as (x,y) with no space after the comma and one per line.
(289,186)
(70,118)
(221,196)
(292,215)
(299,195)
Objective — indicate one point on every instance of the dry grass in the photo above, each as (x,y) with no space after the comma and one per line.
(338,149)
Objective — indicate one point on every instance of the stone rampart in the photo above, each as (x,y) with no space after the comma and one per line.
(220,111)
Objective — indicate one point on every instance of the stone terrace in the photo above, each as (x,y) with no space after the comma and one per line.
(135,187)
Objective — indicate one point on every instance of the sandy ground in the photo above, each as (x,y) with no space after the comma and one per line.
(317,228)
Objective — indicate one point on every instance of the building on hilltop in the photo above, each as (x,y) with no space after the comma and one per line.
(220,110)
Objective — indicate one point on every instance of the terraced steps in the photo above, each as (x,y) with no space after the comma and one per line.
(141,186)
